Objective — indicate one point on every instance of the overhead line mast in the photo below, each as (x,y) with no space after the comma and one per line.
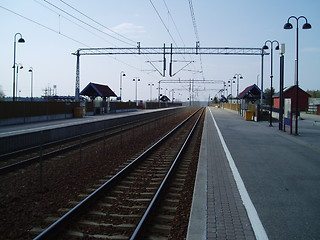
(171,50)
(164,51)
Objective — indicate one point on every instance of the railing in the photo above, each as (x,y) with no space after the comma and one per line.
(33,109)
(236,107)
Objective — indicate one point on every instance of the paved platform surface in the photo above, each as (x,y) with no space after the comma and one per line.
(255,181)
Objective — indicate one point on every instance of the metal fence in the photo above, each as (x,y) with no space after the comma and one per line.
(33,109)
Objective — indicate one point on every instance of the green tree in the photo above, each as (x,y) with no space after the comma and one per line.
(2,95)
(267,100)
(314,93)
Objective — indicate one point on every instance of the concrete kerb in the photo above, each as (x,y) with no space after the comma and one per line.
(197,228)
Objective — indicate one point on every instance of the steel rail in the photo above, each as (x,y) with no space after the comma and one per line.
(166,181)
(57,227)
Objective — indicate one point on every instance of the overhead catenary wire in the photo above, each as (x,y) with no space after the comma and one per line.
(195,28)
(100,24)
(42,25)
(174,23)
(127,64)
(78,19)
(62,34)
(58,31)
(73,22)
(85,15)
(165,26)
(177,30)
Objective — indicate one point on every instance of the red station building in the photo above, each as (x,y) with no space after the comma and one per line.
(290,92)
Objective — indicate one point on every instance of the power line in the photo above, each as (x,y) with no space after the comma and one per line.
(93,28)
(97,22)
(78,19)
(174,22)
(166,25)
(40,24)
(163,22)
(97,29)
(178,33)
(147,57)
(64,35)
(193,20)
(73,23)
(195,28)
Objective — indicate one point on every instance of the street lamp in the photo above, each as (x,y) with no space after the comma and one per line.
(165,91)
(150,84)
(230,85)
(21,40)
(172,91)
(236,76)
(265,47)
(159,94)
(31,80)
(225,87)
(288,25)
(122,74)
(136,80)
(18,66)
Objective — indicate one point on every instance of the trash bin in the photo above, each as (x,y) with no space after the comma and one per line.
(249,115)
(77,112)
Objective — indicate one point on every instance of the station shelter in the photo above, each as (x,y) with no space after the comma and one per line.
(249,100)
(100,98)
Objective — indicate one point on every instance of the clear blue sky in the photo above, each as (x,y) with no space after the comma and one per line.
(229,23)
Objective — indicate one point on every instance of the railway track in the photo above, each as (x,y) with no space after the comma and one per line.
(24,157)
(141,201)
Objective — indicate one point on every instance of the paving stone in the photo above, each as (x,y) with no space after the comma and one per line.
(223,197)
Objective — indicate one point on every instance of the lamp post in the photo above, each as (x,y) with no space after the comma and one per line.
(136,80)
(236,76)
(282,51)
(288,25)
(31,80)
(271,73)
(165,91)
(230,85)
(172,91)
(159,95)
(225,87)
(21,40)
(261,88)
(18,66)
(150,84)
(122,74)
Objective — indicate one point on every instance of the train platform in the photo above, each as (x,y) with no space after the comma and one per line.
(256,182)
(16,129)
(19,136)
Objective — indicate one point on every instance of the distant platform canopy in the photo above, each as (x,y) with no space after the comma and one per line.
(94,90)
(164,98)
(251,94)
